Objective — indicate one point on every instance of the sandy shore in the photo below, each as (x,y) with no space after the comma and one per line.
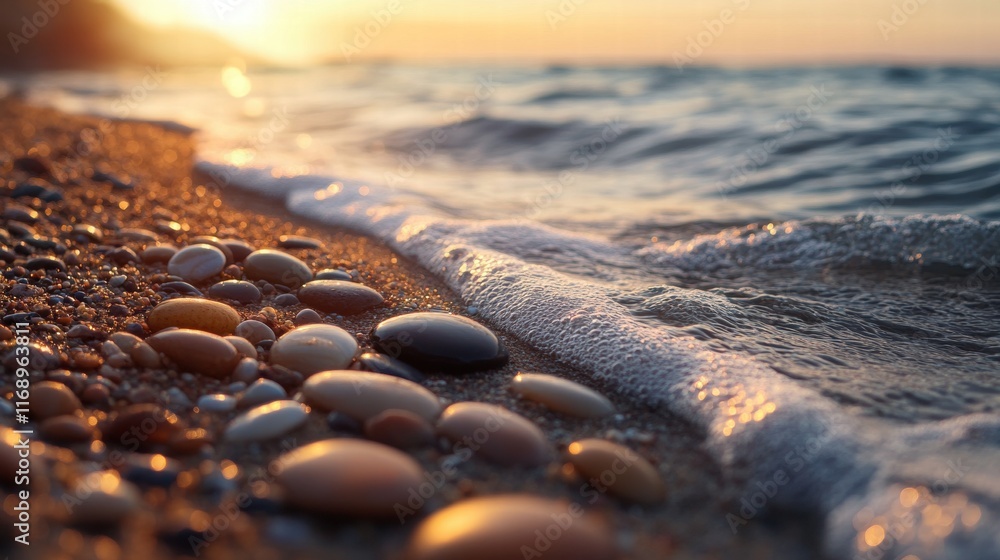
(145,181)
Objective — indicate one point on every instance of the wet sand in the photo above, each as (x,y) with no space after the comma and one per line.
(145,181)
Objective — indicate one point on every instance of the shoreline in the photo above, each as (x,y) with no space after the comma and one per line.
(157,163)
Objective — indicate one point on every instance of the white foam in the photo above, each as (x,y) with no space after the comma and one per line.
(758,422)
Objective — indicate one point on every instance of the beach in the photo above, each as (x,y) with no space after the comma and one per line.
(146,182)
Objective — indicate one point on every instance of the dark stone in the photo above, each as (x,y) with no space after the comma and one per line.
(115,182)
(288,379)
(123,256)
(33,165)
(334,274)
(19,317)
(307,317)
(178,287)
(380,363)
(237,290)
(238,248)
(439,341)
(342,422)
(45,263)
(338,296)
(286,300)
(298,242)
(141,426)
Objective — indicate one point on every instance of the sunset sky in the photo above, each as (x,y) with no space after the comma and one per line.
(754,31)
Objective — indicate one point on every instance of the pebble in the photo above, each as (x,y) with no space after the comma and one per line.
(239,249)
(150,470)
(254,331)
(138,234)
(197,263)
(197,351)
(277,267)
(246,371)
(238,290)
(216,403)
(314,348)
(307,317)
(102,499)
(339,296)
(501,436)
(178,287)
(50,399)
(286,300)
(123,256)
(140,426)
(562,395)
(348,477)
(214,242)
(260,392)
(267,421)
(45,263)
(242,346)
(439,341)
(158,254)
(66,428)
(512,526)
(399,428)
(197,314)
(363,395)
(387,365)
(619,469)
(298,242)
(333,274)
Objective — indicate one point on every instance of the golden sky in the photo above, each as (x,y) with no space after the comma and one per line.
(727,32)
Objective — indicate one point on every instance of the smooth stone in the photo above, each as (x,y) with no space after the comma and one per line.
(197,351)
(314,348)
(247,370)
(89,232)
(125,341)
(216,403)
(50,399)
(439,341)
(198,314)
(178,287)
(242,346)
(155,425)
(103,499)
(277,268)
(338,296)
(362,395)
(348,477)
(509,526)
(138,234)
(562,395)
(512,440)
(334,274)
(239,290)
(158,254)
(197,263)
(143,355)
(387,365)
(267,421)
(254,331)
(214,242)
(239,248)
(260,392)
(66,429)
(298,242)
(640,482)
(307,317)
(399,428)
(45,263)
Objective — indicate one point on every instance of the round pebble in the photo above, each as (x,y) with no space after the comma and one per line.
(214,242)
(102,499)
(267,421)
(298,242)
(380,363)
(66,429)
(286,300)
(562,395)
(158,254)
(216,403)
(439,341)
(362,395)
(238,290)
(333,274)
(260,392)
(140,426)
(619,469)
(277,268)
(307,317)
(495,434)
(242,346)
(399,428)
(512,526)
(50,399)
(239,249)
(348,477)
(338,296)
(197,263)
(254,331)
(198,314)
(314,348)
(197,351)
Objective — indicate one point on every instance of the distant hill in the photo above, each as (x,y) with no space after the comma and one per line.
(64,34)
